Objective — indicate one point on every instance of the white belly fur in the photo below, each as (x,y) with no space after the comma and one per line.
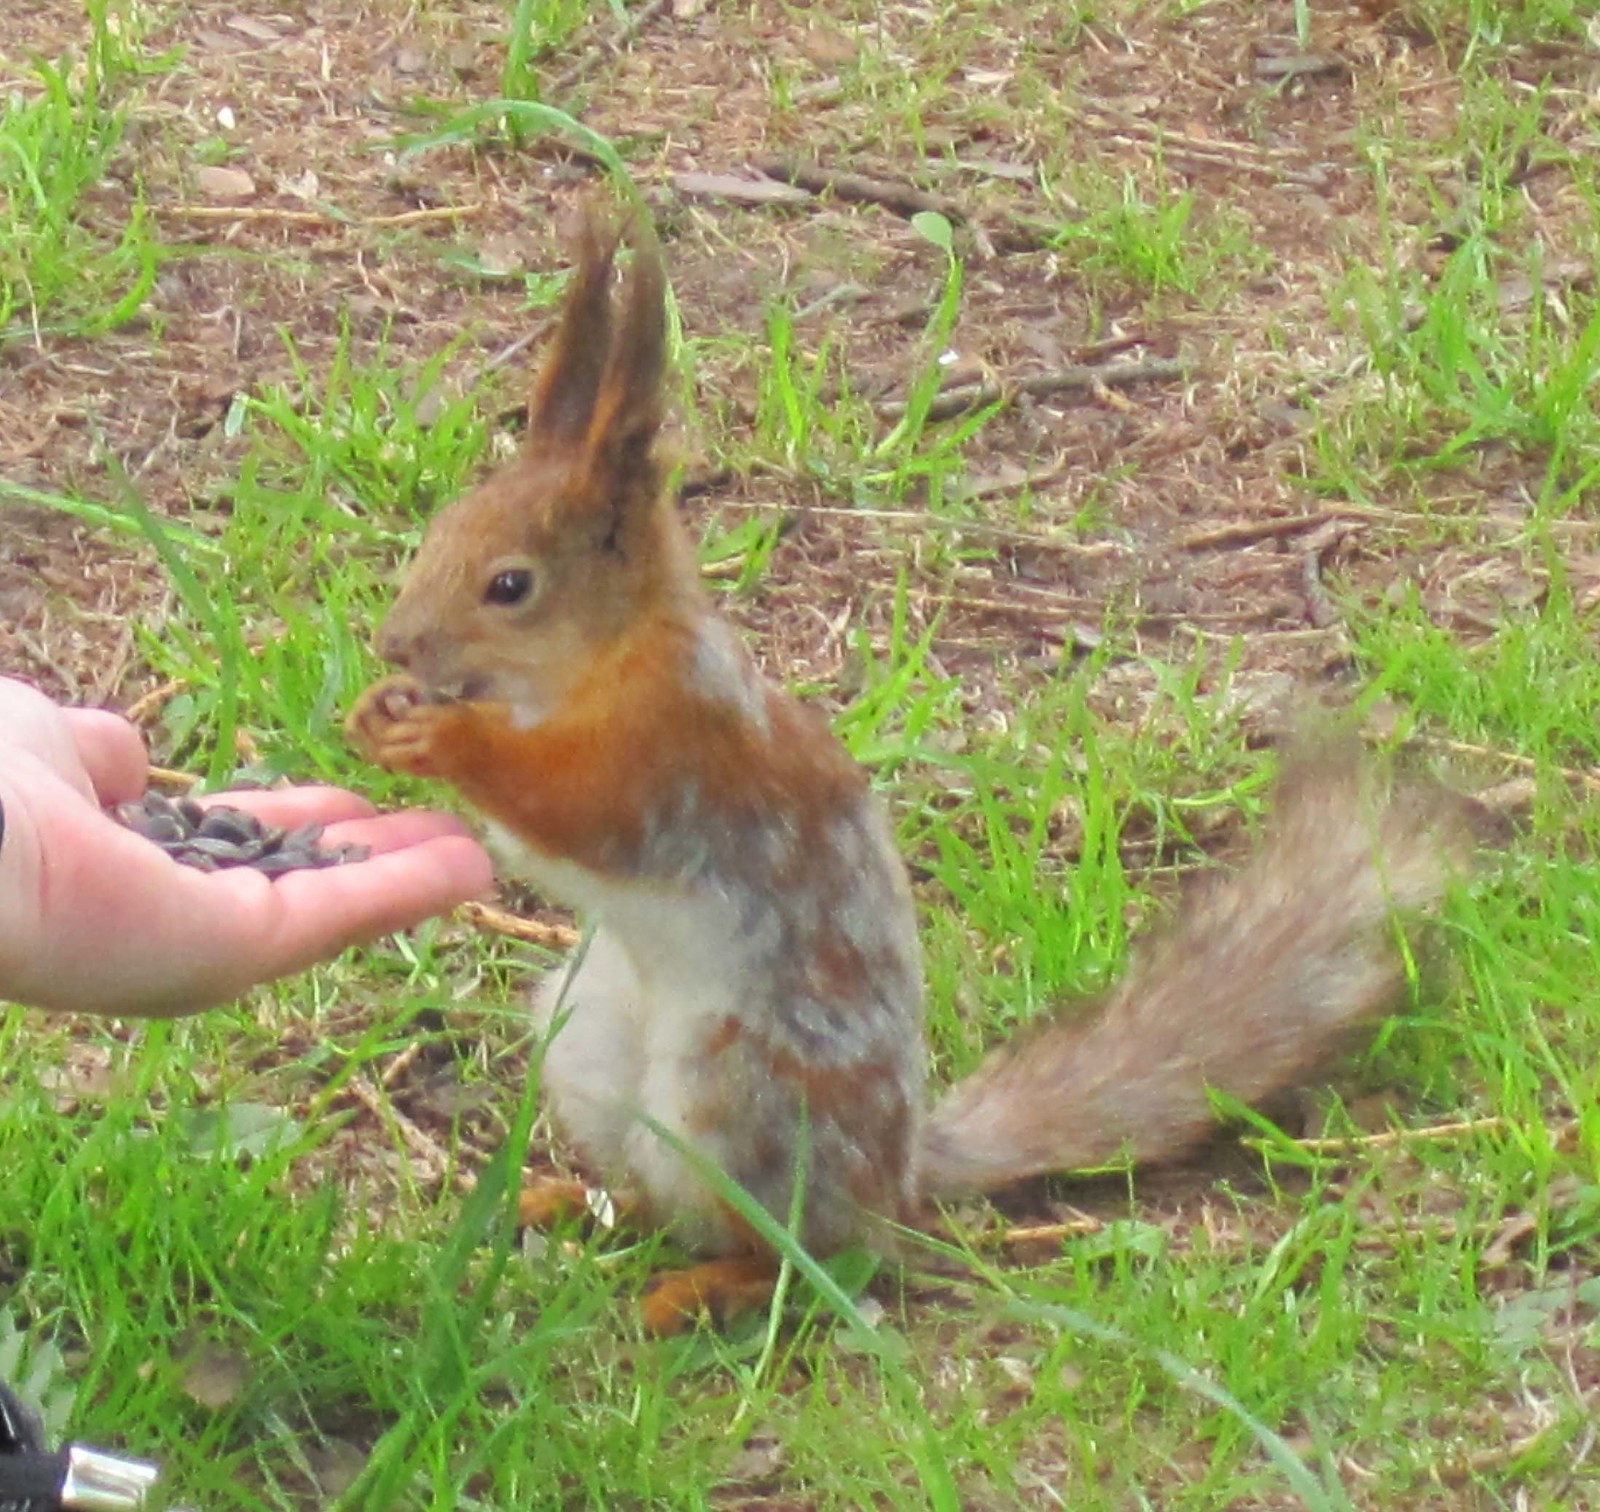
(632,1012)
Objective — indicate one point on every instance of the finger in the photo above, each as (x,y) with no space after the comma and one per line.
(33,723)
(189,940)
(112,752)
(288,807)
(391,832)
(391,891)
(314,914)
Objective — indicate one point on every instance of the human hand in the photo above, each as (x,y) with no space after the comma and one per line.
(95,918)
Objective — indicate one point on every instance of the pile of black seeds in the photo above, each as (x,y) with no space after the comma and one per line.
(211,838)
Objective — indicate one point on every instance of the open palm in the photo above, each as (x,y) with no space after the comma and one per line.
(94,918)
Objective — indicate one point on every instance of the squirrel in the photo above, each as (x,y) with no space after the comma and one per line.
(753,983)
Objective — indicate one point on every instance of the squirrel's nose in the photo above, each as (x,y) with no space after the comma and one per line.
(394,645)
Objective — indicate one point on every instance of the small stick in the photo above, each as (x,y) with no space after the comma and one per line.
(1042,604)
(1246,532)
(1320,608)
(148,703)
(1300,66)
(918,518)
(498,921)
(1499,1250)
(168,778)
(400,1065)
(1526,763)
(1245,157)
(1241,162)
(1049,1233)
(1452,1472)
(1353,1142)
(958,401)
(1031,609)
(1417,520)
(996,488)
(421,1144)
(1261,637)
(319,217)
(732,189)
(903,199)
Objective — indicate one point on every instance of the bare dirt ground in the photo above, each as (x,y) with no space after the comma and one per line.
(1170,468)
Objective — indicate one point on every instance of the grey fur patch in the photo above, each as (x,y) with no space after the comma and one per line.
(720,672)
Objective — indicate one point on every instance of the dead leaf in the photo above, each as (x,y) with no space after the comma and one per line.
(1019,1374)
(303,186)
(219,42)
(822,45)
(213,1376)
(737,190)
(253,28)
(336,1463)
(217,182)
(1301,66)
(84,1074)
(760,1459)
(501,256)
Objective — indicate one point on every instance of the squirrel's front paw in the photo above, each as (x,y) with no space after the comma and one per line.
(395,724)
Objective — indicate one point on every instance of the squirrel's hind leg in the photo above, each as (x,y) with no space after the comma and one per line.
(716,1290)
(547,1202)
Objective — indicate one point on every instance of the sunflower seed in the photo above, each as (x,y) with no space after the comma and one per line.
(216,836)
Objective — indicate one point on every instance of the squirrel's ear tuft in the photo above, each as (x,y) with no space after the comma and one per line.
(563,405)
(627,408)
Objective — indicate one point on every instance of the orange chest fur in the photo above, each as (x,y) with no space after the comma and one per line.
(641,771)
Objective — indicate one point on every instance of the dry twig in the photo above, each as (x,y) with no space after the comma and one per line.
(734,189)
(1049,1233)
(960,401)
(1466,1467)
(1247,532)
(920,520)
(152,701)
(400,1065)
(902,198)
(498,921)
(1242,157)
(434,1157)
(320,217)
(1573,775)
(1350,1144)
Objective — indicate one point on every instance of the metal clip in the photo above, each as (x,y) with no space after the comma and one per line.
(101,1482)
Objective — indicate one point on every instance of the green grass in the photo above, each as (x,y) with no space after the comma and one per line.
(62,268)
(215,1253)
(1122,235)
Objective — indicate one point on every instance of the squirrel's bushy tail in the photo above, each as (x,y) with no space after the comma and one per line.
(1256,981)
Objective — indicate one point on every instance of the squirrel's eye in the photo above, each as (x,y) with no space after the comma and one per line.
(509,587)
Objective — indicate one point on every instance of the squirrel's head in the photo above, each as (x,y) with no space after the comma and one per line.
(572,543)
